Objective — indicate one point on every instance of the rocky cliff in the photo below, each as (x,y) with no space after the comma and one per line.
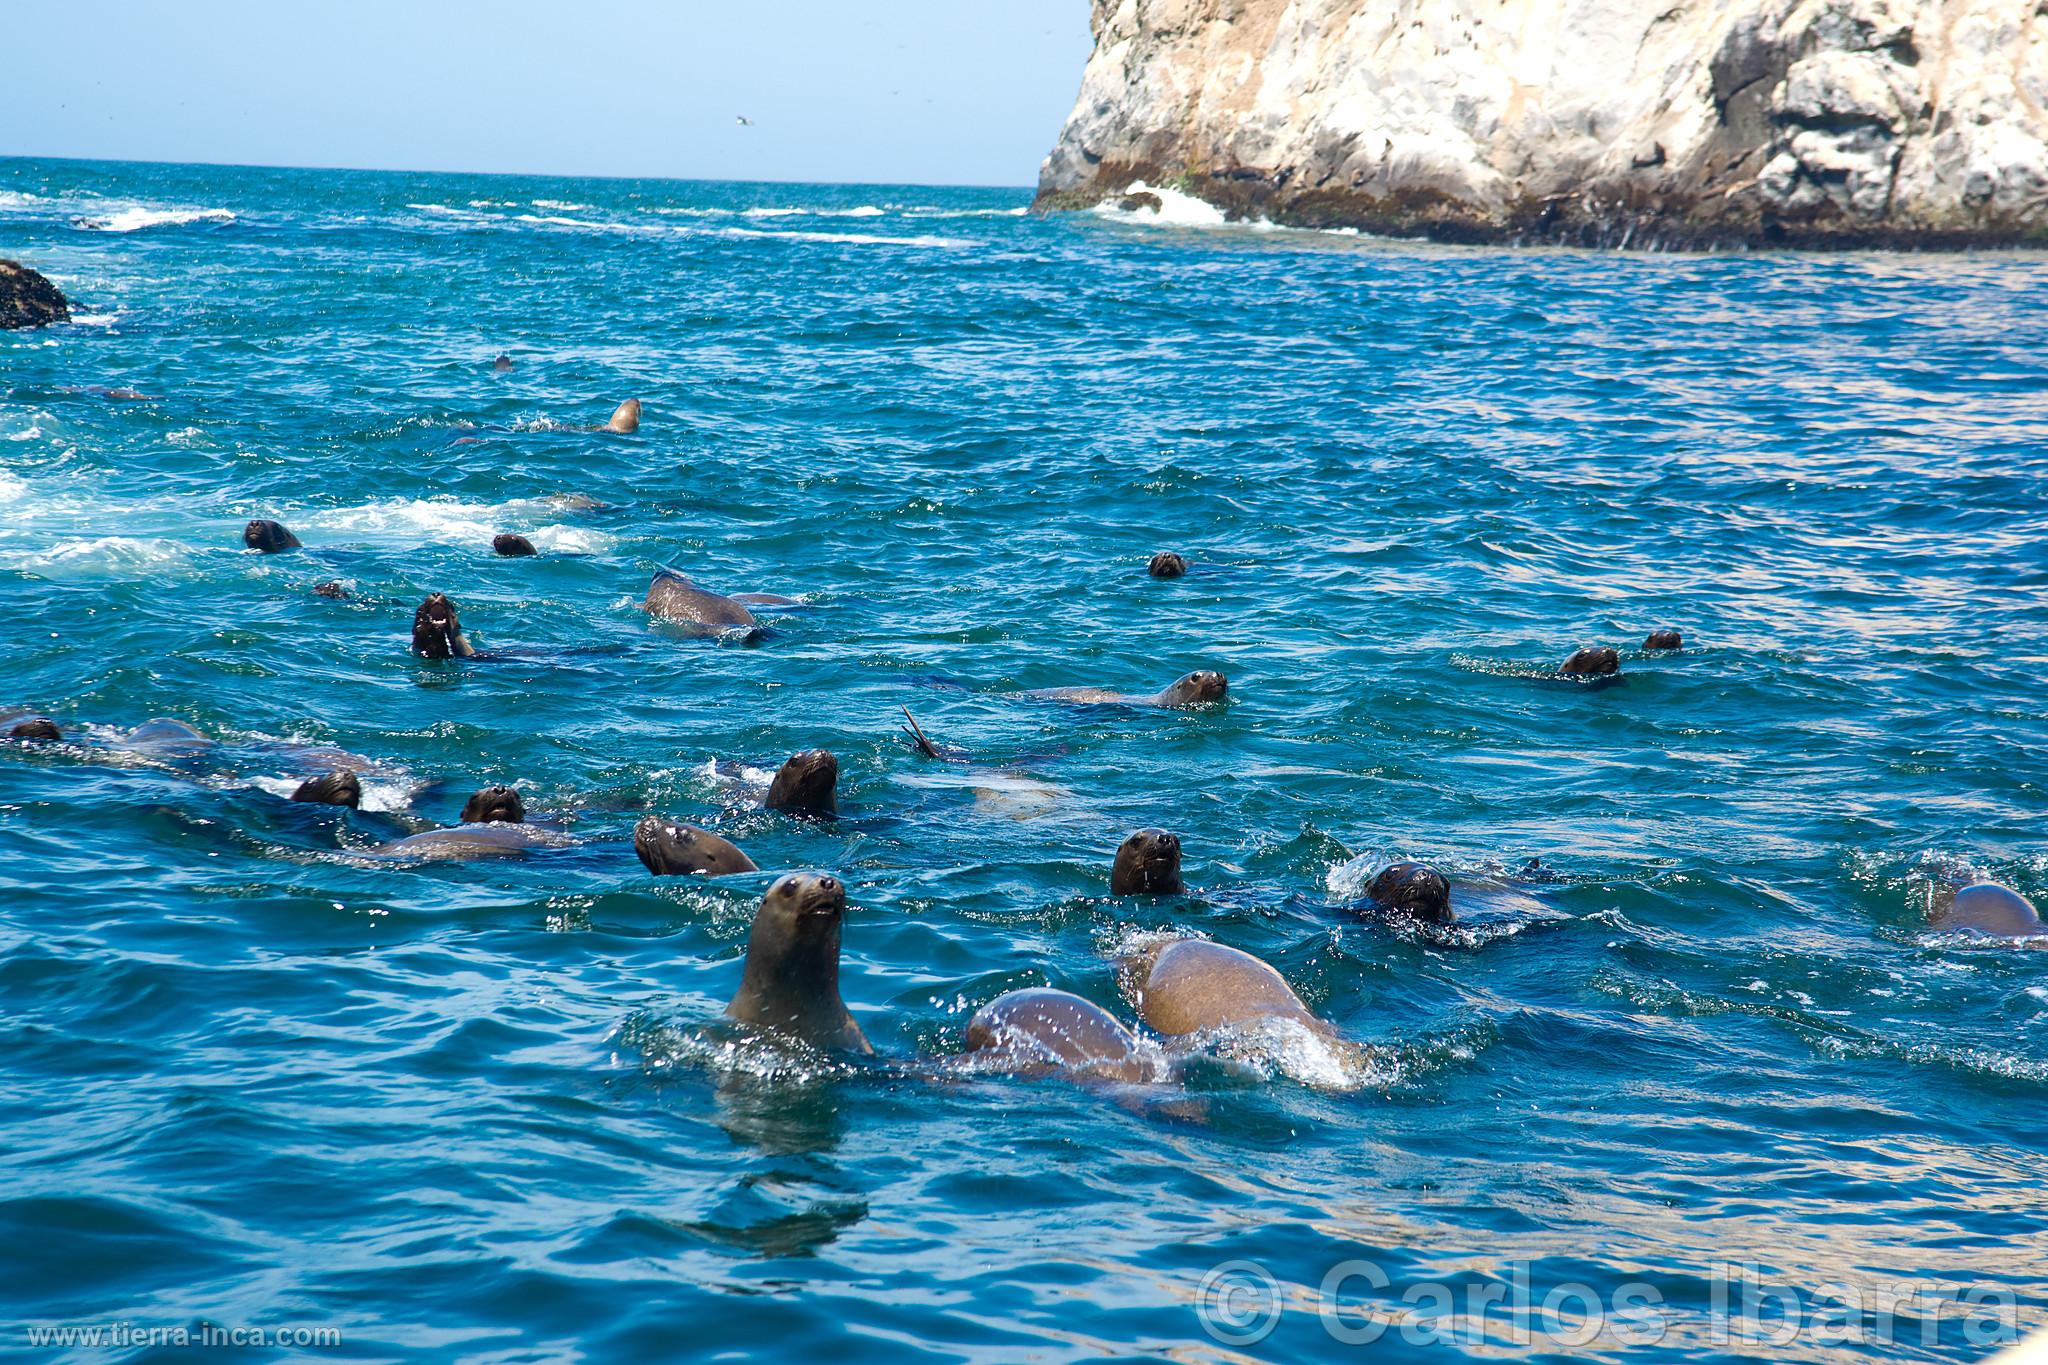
(27,299)
(1681,123)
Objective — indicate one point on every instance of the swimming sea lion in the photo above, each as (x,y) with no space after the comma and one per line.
(38,728)
(573,502)
(1167,564)
(437,631)
(1148,864)
(1989,908)
(1041,1030)
(1414,888)
(493,826)
(503,362)
(512,546)
(625,418)
(1591,661)
(166,738)
(1195,689)
(494,805)
(675,598)
(682,850)
(791,980)
(331,588)
(1191,984)
(1664,639)
(338,788)
(806,784)
(268,536)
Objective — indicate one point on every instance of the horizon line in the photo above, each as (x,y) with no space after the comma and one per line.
(514,175)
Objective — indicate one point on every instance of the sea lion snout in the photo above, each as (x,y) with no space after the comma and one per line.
(338,788)
(499,805)
(1167,564)
(1147,864)
(1592,661)
(436,629)
(1664,639)
(1416,888)
(268,536)
(806,784)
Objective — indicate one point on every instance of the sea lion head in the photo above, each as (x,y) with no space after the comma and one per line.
(1167,564)
(499,805)
(338,788)
(1591,661)
(268,536)
(791,982)
(1147,864)
(676,850)
(37,728)
(1416,888)
(503,362)
(511,545)
(807,784)
(1990,908)
(331,588)
(436,628)
(1664,639)
(625,418)
(1201,686)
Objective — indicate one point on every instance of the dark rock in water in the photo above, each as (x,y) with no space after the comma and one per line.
(512,545)
(1144,199)
(29,300)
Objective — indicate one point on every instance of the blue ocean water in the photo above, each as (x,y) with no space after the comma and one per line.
(486,1111)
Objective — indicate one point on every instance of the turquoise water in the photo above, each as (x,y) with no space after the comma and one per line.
(486,1111)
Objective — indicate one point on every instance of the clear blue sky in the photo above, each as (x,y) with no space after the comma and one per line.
(900,91)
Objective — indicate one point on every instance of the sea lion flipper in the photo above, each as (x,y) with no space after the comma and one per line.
(917,737)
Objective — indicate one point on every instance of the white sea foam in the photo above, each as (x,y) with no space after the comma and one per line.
(557,220)
(852,238)
(1176,209)
(559,205)
(111,555)
(12,488)
(446,521)
(18,199)
(140,216)
(28,433)
(94,319)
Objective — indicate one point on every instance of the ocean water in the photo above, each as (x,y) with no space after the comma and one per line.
(1708,1052)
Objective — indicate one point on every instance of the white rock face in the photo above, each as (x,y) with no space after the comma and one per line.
(1685,122)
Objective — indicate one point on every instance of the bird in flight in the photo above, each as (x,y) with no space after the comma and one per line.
(743,120)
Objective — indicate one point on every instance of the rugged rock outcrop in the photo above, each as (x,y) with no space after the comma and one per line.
(27,299)
(1682,123)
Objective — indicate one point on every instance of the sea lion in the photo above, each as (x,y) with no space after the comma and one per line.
(674,598)
(574,502)
(513,546)
(1190,985)
(1591,661)
(1413,888)
(502,363)
(39,729)
(625,418)
(437,630)
(268,536)
(1147,864)
(671,850)
(1195,689)
(338,788)
(331,588)
(1040,1030)
(806,784)
(164,738)
(791,980)
(1988,908)
(494,805)
(1167,564)
(493,826)
(1664,639)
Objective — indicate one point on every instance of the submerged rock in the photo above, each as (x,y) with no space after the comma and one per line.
(27,299)
(1678,123)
